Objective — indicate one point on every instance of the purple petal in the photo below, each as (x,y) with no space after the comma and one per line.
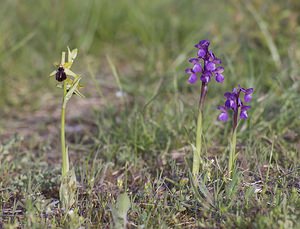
(247,98)
(194,60)
(189,71)
(230,104)
(219,78)
(197,68)
(222,108)
(223,117)
(244,108)
(201,53)
(243,115)
(210,66)
(242,89)
(205,78)
(249,91)
(202,44)
(211,56)
(219,70)
(217,61)
(193,78)
(227,95)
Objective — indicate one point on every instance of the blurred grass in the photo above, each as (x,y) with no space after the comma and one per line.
(148,43)
(33,34)
(154,37)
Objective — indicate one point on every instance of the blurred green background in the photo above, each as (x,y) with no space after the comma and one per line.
(148,40)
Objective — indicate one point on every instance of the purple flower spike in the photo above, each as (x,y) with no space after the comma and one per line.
(234,102)
(205,65)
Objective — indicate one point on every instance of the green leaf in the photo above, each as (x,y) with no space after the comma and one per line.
(67,191)
(123,205)
(119,212)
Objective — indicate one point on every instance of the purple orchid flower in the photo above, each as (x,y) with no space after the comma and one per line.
(233,102)
(205,65)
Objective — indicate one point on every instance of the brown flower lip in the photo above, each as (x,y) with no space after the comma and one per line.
(60,74)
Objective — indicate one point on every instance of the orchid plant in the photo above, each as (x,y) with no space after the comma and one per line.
(205,66)
(237,105)
(69,82)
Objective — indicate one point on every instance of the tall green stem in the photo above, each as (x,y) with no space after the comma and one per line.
(232,156)
(64,152)
(197,151)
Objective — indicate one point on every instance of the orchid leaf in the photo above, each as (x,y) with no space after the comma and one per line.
(67,191)
(120,210)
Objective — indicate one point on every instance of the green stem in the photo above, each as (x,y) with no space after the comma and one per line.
(64,153)
(232,154)
(197,151)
